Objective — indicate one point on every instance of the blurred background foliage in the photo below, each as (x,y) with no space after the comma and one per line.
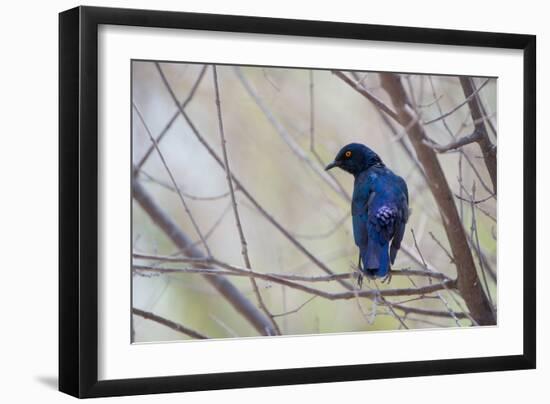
(294,194)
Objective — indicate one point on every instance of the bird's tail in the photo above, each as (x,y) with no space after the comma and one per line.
(376,259)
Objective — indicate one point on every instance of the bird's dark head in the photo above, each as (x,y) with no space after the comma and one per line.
(355,158)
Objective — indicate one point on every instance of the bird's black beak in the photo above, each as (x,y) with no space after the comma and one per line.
(332,165)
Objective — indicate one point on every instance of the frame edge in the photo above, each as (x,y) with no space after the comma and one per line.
(69,79)
(530,202)
(78,239)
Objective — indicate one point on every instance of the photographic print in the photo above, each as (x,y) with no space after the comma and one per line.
(285,201)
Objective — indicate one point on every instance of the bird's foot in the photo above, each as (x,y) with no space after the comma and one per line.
(359,273)
(359,280)
(387,278)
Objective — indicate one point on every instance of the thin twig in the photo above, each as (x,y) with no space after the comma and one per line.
(223,325)
(397,134)
(242,238)
(368,318)
(427,312)
(486,114)
(475,202)
(448,289)
(457,107)
(240,186)
(475,237)
(288,139)
(296,310)
(488,149)
(460,157)
(463,141)
(301,278)
(451,258)
(174,183)
(311,111)
(489,215)
(476,172)
(169,187)
(214,225)
(367,94)
(453,137)
(390,307)
(168,323)
(429,104)
(312,148)
(167,225)
(207,264)
(165,130)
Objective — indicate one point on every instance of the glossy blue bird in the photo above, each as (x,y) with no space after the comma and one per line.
(379,208)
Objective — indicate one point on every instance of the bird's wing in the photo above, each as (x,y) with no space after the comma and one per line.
(402,185)
(388,212)
(362,196)
(360,218)
(396,242)
(403,206)
(383,219)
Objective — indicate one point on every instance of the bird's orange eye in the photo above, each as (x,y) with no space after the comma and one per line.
(348,154)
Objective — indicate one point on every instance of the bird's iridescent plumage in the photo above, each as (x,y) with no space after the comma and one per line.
(379,208)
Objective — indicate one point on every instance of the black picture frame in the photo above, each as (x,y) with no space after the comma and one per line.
(78,200)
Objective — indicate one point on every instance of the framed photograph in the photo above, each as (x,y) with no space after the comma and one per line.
(251,201)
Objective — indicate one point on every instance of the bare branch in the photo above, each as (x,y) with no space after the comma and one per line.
(390,308)
(477,203)
(301,278)
(214,225)
(185,244)
(244,248)
(451,312)
(489,215)
(463,141)
(368,95)
(451,258)
(223,325)
(312,148)
(436,99)
(205,263)
(396,134)
(456,108)
(427,312)
(245,192)
(453,136)
(296,310)
(273,278)
(174,183)
(472,201)
(311,111)
(401,141)
(475,237)
(168,323)
(487,114)
(288,139)
(468,281)
(169,187)
(488,149)
(164,131)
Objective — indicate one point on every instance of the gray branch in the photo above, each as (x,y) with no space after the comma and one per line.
(244,246)
(243,190)
(488,149)
(168,323)
(258,320)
